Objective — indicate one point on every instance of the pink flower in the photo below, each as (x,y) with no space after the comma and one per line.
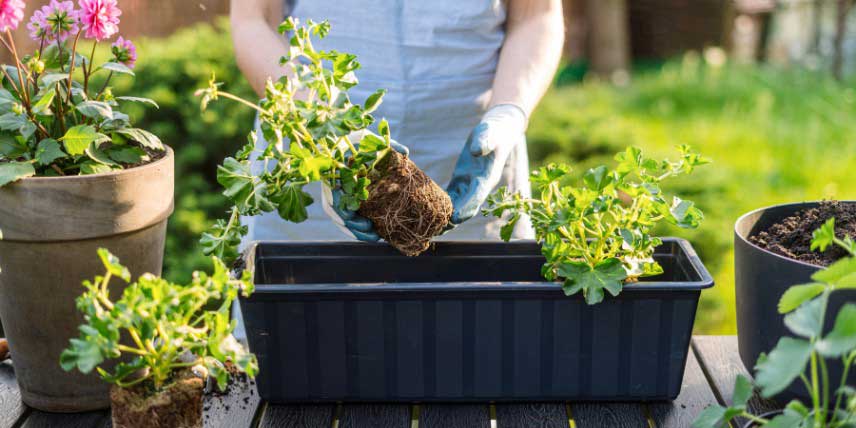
(100,18)
(11,14)
(125,51)
(58,20)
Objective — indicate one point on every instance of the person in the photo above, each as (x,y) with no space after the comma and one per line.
(462,78)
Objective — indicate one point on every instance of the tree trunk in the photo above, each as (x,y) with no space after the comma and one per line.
(609,41)
(841,13)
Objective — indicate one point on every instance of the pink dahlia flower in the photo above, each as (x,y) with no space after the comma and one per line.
(58,20)
(11,14)
(125,52)
(99,18)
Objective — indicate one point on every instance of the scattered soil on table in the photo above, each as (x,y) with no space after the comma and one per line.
(791,237)
(220,399)
(406,207)
(179,404)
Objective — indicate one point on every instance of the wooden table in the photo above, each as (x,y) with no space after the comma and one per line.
(712,365)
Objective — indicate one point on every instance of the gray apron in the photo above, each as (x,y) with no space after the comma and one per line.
(437,60)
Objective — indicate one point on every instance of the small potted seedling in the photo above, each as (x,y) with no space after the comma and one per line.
(165,340)
(804,354)
(596,236)
(483,321)
(75,175)
(312,128)
(773,251)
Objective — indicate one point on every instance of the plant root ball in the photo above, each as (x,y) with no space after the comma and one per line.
(406,207)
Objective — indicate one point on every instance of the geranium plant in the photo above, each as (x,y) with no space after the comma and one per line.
(596,234)
(311,126)
(54,119)
(833,401)
(163,327)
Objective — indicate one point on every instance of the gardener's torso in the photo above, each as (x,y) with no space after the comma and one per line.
(437,61)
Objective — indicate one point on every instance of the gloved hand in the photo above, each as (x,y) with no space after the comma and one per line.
(480,165)
(348,221)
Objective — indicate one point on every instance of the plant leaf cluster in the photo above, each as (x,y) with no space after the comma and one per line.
(161,326)
(833,403)
(307,118)
(595,232)
(54,121)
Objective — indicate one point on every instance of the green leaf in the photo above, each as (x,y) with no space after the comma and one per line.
(374,100)
(14,171)
(113,265)
(6,100)
(82,354)
(784,364)
(48,151)
(508,228)
(78,138)
(799,294)
(291,202)
(842,339)
(222,240)
(246,191)
(371,143)
(836,272)
(42,106)
(607,275)
(52,78)
(127,154)
(12,121)
(743,391)
(141,100)
(11,148)
(685,214)
(142,137)
(711,417)
(824,236)
(96,109)
(90,167)
(807,320)
(117,68)
(597,178)
(786,420)
(99,156)
(311,167)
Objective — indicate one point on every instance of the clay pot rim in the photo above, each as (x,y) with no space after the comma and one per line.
(170,154)
(795,205)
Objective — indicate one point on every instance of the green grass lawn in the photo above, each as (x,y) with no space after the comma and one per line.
(775,136)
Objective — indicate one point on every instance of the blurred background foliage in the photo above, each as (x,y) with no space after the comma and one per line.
(776,135)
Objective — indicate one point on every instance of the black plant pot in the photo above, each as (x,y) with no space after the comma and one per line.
(466,321)
(761,277)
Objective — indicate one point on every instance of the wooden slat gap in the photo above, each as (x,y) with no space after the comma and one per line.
(646,412)
(492,411)
(414,416)
(570,414)
(337,414)
(260,411)
(707,374)
(23,418)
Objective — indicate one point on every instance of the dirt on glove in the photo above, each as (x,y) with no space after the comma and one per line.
(406,207)
(791,237)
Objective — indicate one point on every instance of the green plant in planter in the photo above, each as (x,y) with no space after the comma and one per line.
(54,120)
(596,234)
(311,115)
(163,327)
(833,403)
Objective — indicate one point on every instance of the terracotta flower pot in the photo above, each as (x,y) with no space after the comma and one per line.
(52,227)
(178,405)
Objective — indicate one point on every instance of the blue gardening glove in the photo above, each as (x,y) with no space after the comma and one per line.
(480,165)
(353,224)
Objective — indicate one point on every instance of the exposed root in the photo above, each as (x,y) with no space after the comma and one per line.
(406,207)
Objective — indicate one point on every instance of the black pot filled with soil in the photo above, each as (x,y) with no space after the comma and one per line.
(772,252)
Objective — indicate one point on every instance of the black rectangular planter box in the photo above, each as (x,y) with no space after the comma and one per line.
(466,321)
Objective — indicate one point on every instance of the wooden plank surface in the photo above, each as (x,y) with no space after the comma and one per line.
(38,419)
(721,361)
(531,415)
(454,416)
(608,415)
(297,416)
(11,407)
(696,394)
(375,416)
(236,408)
